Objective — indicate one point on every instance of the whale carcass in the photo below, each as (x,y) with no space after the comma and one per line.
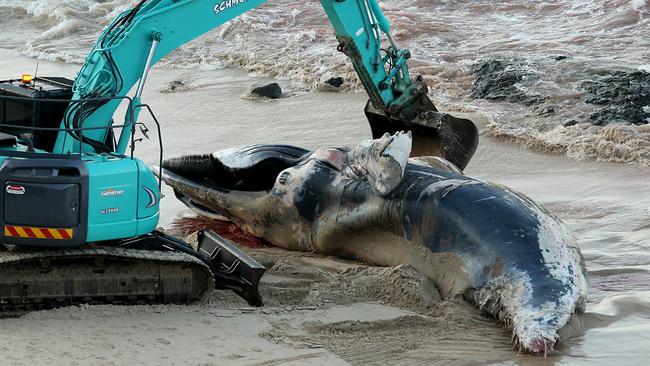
(373,203)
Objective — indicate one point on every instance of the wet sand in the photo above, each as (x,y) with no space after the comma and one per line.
(328,311)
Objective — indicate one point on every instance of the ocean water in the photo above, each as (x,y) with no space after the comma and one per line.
(557,45)
(606,204)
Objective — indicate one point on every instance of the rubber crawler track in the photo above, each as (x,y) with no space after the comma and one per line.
(32,279)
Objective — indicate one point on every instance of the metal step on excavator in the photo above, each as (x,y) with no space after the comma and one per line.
(80,212)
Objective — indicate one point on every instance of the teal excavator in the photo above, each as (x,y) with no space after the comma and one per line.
(80,212)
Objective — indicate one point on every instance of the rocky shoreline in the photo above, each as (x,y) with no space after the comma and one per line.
(622,97)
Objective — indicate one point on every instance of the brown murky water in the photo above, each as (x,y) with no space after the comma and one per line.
(557,45)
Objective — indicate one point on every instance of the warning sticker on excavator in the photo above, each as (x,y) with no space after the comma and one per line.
(15,189)
(38,232)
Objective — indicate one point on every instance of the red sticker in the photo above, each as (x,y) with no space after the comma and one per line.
(15,189)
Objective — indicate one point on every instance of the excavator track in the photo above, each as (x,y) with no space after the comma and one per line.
(32,279)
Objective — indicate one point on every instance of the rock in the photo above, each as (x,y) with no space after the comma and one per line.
(271,91)
(569,122)
(335,81)
(175,84)
(546,110)
(330,83)
(623,95)
(497,79)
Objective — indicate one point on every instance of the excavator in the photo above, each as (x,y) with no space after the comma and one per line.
(80,212)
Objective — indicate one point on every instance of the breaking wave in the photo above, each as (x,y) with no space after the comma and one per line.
(614,143)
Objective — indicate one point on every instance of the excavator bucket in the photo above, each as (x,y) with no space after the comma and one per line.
(233,269)
(434,133)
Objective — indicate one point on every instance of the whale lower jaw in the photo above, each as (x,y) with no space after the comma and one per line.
(534,328)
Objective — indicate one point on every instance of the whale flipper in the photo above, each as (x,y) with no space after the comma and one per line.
(382,162)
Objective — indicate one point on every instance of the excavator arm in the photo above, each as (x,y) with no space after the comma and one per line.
(141,36)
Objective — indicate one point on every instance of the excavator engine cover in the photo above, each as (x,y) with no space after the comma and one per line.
(40,104)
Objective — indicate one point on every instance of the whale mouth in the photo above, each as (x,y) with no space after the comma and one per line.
(251,168)
(542,346)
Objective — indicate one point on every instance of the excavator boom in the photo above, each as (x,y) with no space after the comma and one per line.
(141,36)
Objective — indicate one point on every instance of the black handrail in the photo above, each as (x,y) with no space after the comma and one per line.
(160,144)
